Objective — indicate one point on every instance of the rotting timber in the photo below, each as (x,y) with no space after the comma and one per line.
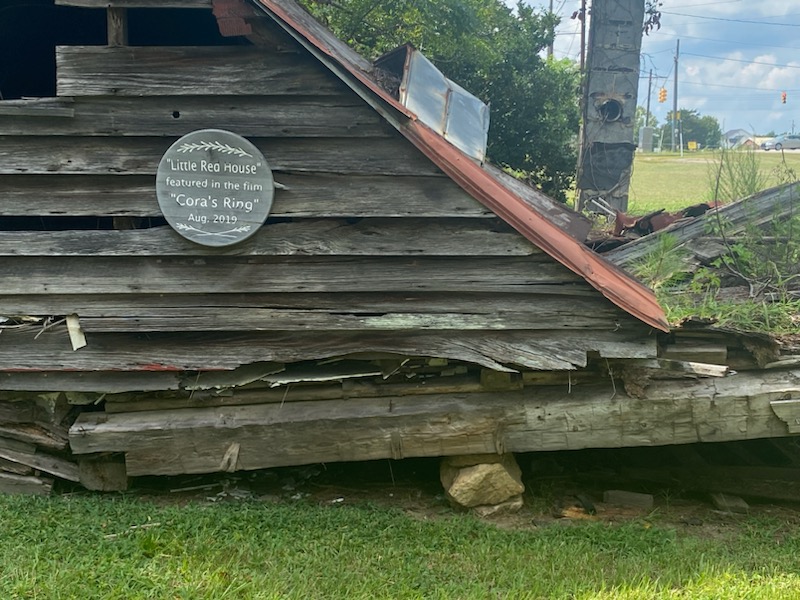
(382,311)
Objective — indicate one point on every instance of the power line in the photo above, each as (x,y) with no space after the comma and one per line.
(735,20)
(739,60)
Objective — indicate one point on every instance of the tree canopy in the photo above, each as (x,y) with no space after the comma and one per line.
(495,53)
(703,129)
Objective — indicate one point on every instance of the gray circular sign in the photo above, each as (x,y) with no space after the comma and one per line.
(214,187)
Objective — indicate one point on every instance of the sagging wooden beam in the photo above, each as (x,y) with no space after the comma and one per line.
(737,407)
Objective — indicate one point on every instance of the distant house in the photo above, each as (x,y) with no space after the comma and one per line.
(739,138)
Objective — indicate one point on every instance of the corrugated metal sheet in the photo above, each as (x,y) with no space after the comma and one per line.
(616,285)
(439,102)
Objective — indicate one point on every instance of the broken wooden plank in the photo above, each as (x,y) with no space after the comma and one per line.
(52,465)
(164,442)
(52,438)
(695,351)
(749,212)
(539,350)
(180,70)
(23,484)
(307,195)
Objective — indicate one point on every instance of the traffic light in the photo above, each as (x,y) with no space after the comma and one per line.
(783,97)
(662,95)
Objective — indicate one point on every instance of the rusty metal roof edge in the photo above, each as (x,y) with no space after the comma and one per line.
(616,285)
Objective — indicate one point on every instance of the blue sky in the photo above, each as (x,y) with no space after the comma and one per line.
(736,57)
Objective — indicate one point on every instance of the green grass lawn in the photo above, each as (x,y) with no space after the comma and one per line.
(673,182)
(120,547)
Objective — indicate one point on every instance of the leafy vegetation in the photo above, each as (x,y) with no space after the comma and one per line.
(764,258)
(107,547)
(495,53)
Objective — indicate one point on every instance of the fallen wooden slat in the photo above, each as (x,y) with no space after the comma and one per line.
(44,462)
(51,438)
(674,412)
(749,212)
(23,484)
(180,352)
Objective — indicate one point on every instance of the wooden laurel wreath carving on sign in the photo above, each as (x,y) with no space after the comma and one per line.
(214,187)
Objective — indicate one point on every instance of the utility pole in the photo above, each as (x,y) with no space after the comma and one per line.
(649,91)
(553,39)
(675,97)
(583,37)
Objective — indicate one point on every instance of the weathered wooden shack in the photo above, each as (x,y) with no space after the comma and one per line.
(402,298)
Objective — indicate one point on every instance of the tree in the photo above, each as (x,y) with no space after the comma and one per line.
(704,130)
(495,53)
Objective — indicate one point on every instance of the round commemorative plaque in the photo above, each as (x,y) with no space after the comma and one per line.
(214,187)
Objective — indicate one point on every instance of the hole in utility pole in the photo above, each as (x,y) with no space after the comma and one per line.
(610,110)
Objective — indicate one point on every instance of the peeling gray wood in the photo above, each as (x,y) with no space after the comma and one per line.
(44,155)
(540,350)
(211,274)
(174,70)
(788,411)
(579,302)
(307,195)
(248,116)
(44,380)
(56,110)
(163,442)
(574,223)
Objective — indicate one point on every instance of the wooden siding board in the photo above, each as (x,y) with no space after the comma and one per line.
(173,70)
(540,350)
(100,275)
(319,237)
(578,299)
(44,155)
(248,116)
(308,195)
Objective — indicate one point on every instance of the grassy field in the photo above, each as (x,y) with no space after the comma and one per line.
(118,547)
(673,182)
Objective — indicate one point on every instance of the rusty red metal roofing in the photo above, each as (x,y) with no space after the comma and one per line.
(616,285)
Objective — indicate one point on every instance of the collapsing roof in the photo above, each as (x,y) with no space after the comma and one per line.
(616,285)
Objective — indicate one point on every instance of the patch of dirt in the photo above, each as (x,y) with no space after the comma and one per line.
(412,486)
